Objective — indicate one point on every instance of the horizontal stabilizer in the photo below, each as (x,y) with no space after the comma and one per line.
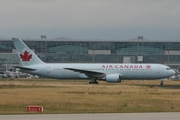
(25,68)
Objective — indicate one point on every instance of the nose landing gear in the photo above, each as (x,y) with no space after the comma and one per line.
(161,84)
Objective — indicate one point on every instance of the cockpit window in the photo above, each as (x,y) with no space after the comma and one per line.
(168,68)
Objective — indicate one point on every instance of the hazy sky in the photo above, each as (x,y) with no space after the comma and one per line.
(90,19)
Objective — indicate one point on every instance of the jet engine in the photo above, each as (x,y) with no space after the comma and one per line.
(113,78)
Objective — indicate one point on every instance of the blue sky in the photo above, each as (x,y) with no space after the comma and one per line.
(90,19)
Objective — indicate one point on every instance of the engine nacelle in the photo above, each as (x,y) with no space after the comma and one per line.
(113,78)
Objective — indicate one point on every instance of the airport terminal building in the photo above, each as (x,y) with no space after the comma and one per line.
(63,50)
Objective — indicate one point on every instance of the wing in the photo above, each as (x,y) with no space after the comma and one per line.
(88,72)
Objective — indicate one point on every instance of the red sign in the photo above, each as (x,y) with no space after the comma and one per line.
(34,108)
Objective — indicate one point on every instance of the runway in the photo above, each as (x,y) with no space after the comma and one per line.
(103,116)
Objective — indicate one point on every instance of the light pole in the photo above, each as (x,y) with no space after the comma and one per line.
(43,36)
(93,47)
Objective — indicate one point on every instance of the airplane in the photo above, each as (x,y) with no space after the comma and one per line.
(2,74)
(109,72)
(8,73)
(11,73)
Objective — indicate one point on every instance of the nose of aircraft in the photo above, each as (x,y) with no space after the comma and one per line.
(172,72)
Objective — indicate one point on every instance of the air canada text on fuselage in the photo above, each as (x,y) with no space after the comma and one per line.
(125,66)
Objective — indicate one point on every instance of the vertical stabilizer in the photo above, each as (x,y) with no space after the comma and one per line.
(26,55)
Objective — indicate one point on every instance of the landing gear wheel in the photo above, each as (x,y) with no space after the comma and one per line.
(93,81)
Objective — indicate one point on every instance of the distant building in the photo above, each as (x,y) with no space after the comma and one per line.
(63,50)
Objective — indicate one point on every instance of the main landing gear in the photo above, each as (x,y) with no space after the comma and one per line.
(93,81)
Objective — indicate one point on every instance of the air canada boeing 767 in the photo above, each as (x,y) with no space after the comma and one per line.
(109,72)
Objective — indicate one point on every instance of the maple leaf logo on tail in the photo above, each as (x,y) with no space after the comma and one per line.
(25,56)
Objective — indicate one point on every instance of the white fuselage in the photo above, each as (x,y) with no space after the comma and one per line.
(126,71)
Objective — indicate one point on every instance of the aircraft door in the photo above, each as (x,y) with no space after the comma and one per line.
(48,69)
